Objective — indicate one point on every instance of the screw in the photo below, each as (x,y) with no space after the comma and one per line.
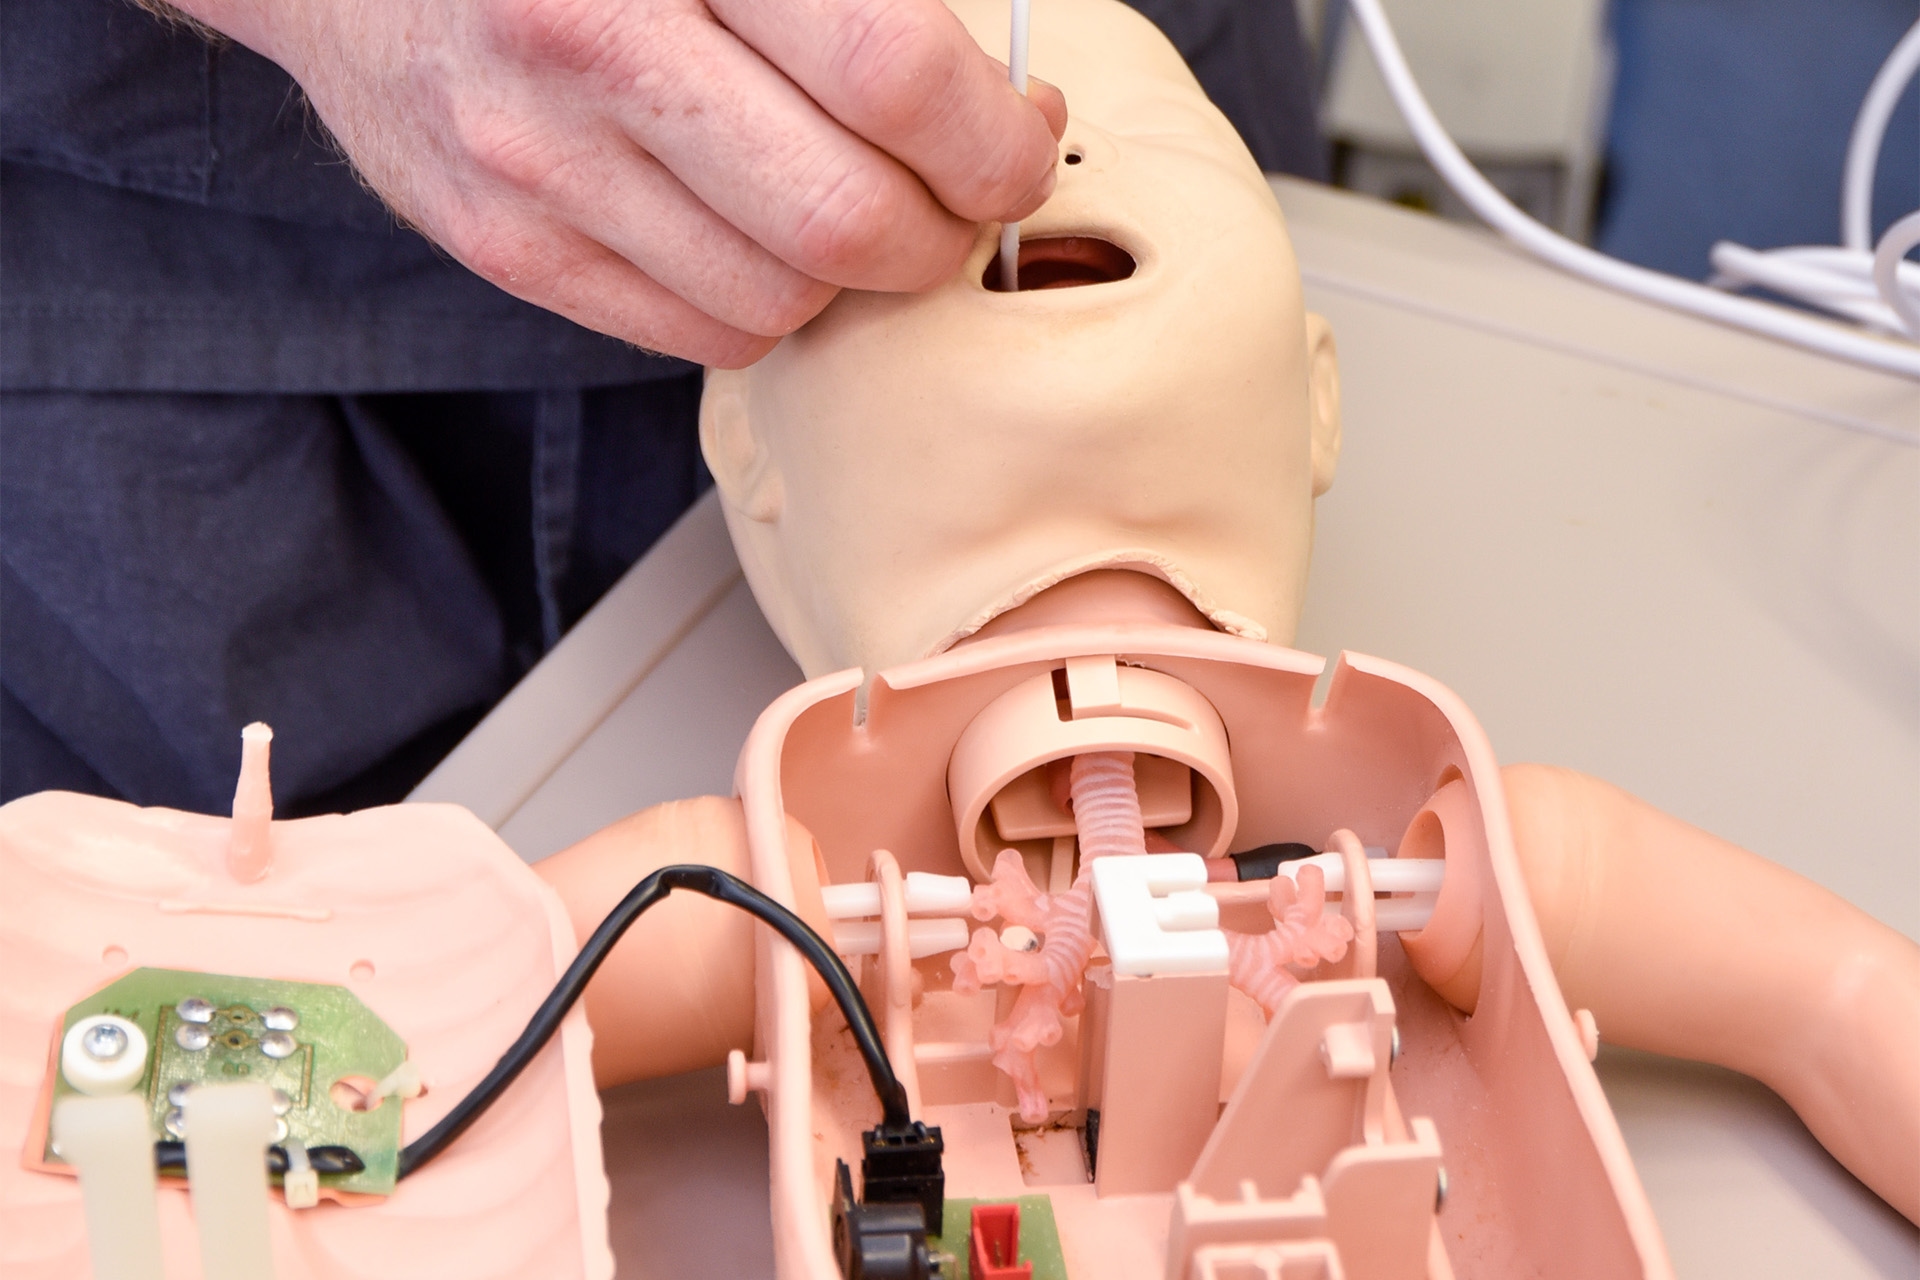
(104,1042)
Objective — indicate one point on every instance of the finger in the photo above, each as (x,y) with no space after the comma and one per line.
(539,260)
(597,181)
(756,150)
(907,76)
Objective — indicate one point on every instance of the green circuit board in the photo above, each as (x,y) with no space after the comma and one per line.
(333,1037)
(1039,1237)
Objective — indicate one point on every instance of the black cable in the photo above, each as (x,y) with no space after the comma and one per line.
(714,883)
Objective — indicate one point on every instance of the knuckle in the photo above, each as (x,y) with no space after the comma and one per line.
(576,35)
(491,249)
(517,152)
(894,64)
(844,221)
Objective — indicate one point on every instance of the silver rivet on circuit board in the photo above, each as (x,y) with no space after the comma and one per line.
(280,1018)
(176,1122)
(281,1102)
(177,1094)
(195,1009)
(277,1044)
(279,1130)
(192,1037)
(104,1042)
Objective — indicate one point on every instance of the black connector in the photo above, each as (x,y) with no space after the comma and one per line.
(879,1241)
(900,1164)
(1264,863)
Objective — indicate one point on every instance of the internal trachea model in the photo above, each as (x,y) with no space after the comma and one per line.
(1047,958)
(1302,936)
(1106,816)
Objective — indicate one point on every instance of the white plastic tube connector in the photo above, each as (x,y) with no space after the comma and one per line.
(1420,877)
(924,937)
(926,894)
(1888,355)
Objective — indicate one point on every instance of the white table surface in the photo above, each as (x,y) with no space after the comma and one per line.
(1637,544)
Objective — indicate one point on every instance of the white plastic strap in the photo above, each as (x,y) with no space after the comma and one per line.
(228,1129)
(110,1145)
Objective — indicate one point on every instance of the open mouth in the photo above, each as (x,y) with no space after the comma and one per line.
(1064,262)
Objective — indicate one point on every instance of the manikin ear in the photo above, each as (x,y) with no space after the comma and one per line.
(1323,401)
(741,465)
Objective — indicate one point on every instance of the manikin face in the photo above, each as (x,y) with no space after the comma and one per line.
(907,467)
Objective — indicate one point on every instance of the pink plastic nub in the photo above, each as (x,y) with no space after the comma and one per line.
(993,1246)
(250,843)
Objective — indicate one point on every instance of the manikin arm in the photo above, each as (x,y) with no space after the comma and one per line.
(676,993)
(1683,944)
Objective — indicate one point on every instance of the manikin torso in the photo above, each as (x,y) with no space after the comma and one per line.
(1018,540)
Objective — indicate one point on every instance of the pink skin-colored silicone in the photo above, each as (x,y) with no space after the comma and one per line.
(1541,1180)
(1684,944)
(422,912)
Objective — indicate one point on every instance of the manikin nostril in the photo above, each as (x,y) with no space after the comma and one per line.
(1064,262)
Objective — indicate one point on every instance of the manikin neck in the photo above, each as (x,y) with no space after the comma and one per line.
(1102,597)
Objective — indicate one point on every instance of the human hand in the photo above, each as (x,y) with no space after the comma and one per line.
(695,177)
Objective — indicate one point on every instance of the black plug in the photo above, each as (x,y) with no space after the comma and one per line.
(901,1164)
(878,1241)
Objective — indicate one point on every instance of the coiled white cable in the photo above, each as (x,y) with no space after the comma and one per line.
(1846,279)
(1891,355)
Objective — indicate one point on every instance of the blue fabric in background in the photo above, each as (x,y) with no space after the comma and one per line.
(1730,122)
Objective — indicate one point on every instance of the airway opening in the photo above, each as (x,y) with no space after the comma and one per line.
(1064,262)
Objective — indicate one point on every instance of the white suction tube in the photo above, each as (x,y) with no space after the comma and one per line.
(1890,355)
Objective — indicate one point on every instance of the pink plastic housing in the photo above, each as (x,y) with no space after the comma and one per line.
(1539,1179)
(423,913)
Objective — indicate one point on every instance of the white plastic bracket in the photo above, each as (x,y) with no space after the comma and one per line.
(1156,916)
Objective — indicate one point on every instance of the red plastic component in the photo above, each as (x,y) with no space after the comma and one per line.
(994,1244)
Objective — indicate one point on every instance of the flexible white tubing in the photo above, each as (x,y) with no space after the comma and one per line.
(1901,237)
(1869,131)
(1843,287)
(1887,355)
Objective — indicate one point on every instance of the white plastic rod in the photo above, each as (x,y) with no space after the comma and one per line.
(1017,72)
(1869,131)
(228,1129)
(1390,875)
(924,937)
(926,894)
(1890,355)
(109,1144)
(1402,915)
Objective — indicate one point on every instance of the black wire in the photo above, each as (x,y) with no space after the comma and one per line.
(714,883)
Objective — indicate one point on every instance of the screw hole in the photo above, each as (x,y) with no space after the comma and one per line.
(362,971)
(114,955)
(1075,156)
(354,1093)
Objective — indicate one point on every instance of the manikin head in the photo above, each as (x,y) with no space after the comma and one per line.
(907,467)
